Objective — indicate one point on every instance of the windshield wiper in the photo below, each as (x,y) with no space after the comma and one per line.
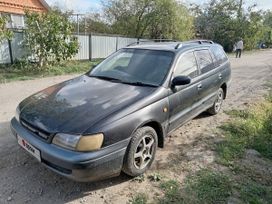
(106,78)
(138,83)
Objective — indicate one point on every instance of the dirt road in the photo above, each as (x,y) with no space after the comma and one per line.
(23,180)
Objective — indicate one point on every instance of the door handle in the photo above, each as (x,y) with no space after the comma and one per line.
(220,76)
(199,86)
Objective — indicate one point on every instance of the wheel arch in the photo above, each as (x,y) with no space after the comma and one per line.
(159,130)
(224,87)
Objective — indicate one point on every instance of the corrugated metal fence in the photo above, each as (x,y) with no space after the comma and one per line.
(92,46)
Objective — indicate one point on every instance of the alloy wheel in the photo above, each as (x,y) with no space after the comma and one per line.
(219,101)
(144,152)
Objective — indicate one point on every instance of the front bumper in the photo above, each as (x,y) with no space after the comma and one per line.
(77,166)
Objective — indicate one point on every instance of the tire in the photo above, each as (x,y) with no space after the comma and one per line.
(141,151)
(218,103)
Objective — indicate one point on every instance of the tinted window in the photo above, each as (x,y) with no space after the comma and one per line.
(204,60)
(219,54)
(187,66)
(136,65)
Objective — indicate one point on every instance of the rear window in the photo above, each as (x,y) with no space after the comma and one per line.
(204,60)
(219,55)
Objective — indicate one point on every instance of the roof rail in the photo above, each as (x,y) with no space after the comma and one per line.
(179,45)
(206,41)
(201,41)
(151,40)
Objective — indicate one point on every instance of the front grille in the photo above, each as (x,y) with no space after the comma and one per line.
(42,134)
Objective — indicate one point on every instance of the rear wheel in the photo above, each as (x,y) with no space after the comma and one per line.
(218,103)
(141,151)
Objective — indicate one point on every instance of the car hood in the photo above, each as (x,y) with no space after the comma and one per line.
(75,105)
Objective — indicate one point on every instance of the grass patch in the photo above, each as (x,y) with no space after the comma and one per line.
(208,186)
(27,71)
(139,198)
(245,114)
(252,192)
(249,129)
(205,186)
(155,177)
(172,192)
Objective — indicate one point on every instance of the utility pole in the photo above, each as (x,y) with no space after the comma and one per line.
(85,29)
(239,16)
(77,19)
(77,24)
(240,10)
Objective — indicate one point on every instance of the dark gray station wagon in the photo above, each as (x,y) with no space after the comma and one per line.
(114,117)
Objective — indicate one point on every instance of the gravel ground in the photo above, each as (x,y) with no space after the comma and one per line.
(23,180)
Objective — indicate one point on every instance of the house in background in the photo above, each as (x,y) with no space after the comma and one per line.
(11,50)
(15,10)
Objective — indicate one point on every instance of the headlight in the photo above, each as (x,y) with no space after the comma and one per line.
(17,114)
(79,143)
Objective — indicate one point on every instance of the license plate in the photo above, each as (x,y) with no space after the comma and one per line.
(29,148)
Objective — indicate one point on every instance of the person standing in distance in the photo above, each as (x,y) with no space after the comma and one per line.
(239,48)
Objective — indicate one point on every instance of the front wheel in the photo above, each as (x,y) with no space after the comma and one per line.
(141,151)
(218,103)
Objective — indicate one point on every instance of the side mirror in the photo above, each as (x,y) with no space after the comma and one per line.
(181,80)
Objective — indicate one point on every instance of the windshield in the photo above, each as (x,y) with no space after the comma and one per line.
(138,66)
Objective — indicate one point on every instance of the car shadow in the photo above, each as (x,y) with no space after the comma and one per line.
(202,115)
(21,174)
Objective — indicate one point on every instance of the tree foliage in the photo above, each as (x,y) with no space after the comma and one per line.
(221,21)
(149,18)
(49,37)
(94,23)
(171,20)
(5,33)
(215,22)
(226,21)
(267,35)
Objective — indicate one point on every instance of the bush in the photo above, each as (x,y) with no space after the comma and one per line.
(49,37)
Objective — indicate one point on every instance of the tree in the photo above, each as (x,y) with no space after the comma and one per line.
(254,29)
(267,35)
(171,20)
(149,18)
(128,17)
(5,33)
(268,19)
(227,21)
(49,37)
(93,23)
(216,22)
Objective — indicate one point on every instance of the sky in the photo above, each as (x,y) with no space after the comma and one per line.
(84,6)
(79,6)
(261,4)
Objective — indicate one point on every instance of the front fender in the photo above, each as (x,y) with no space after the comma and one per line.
(124,127)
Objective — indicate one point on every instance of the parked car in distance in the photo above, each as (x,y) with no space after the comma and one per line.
(114,117)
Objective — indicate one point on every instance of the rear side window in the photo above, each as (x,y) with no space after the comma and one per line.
(187,66)
(204,60)
(219,55)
